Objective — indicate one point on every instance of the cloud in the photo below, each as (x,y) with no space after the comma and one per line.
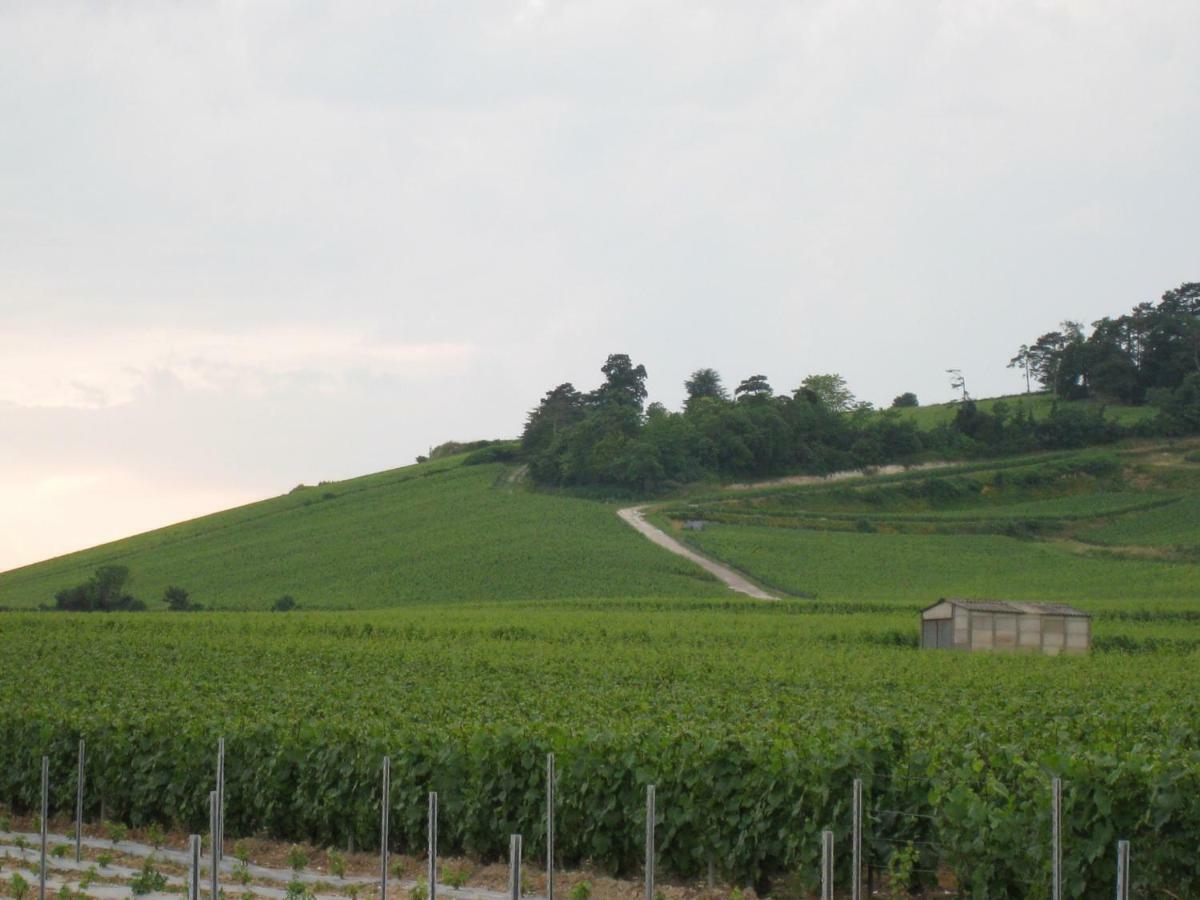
(93,370)
(243,245)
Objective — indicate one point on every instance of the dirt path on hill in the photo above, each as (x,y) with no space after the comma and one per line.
(635,516)
(843,475)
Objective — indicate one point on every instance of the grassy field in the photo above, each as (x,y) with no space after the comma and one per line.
(1037,405)
(436,532)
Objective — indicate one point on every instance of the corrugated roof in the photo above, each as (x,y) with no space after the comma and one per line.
(1017,607)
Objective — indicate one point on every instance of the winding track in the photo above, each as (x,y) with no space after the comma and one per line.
(635,516)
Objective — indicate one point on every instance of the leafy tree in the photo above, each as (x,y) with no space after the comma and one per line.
(1179,409)
(753,389)
(624,384)
(559,410)
(907,399)
(958,382)
(1023,361)
(179,600)
(104,592)
(704,383)
(831,390)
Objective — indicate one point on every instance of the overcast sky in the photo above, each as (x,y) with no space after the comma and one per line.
(246,245)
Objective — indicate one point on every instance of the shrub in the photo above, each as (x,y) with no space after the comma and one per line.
(501,451)
(297,858)
(908,398)
(455,876)
(337,863)
(149,880)
(284,604)
(103,592)
(178,600)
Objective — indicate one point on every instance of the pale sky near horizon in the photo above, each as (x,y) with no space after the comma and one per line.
(246,245)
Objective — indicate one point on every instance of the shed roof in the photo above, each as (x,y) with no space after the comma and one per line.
(1013,606)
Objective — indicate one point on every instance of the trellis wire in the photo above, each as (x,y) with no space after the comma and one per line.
(649,842)
(433,847)
(216,814)
(79,803)
(385,805)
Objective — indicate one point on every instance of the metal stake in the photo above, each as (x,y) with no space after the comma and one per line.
(220,838)
(385,803)
(550,826)
(514,867)
(194,878)
(45,815)
(1056,839)
(649,842)
(1123,877)
(826,865)
(856,841)
(214,815)
(79,804)
(433,848)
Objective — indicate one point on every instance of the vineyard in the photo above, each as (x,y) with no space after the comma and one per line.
(752,721)
(570,634)
(435,532)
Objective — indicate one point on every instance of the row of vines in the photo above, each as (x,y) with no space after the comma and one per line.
(752,725)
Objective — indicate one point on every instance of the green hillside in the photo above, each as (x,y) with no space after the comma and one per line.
(440,531)
(1037,405)
(1106,530)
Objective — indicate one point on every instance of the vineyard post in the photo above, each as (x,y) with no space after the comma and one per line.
(194,879)
(549,826)
(79,804)
(220,838)
(214,813)
(856,841)
(45,815)
(826,865)
(433,849)
(649,842)
(1123,870)
(514,866)
(1056,839)
(385,803)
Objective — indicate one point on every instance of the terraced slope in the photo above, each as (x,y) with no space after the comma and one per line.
(435,532)
(1105,530)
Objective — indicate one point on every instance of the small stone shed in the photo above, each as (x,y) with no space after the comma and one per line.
(957,624)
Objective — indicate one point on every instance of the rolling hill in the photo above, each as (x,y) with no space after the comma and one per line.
(440,531)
